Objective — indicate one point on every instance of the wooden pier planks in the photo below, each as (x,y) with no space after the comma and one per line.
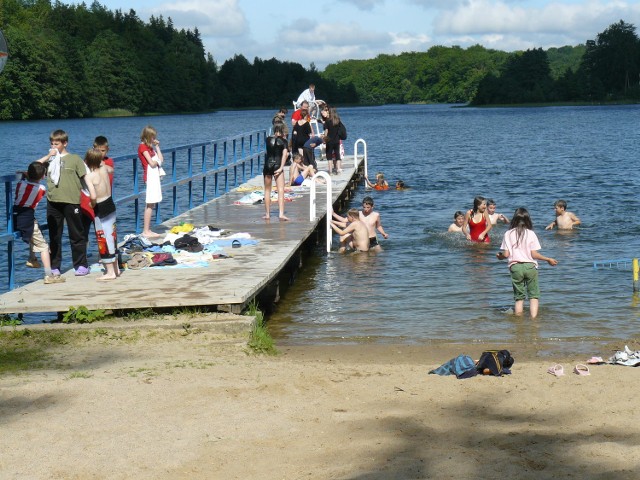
(227,283)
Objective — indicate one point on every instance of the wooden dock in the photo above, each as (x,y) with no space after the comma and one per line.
(226,284)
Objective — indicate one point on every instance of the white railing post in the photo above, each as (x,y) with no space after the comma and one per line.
(355,156)
(312,204)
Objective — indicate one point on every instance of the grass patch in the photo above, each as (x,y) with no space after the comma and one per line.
(82,314)
(260,341)
(7,321)
(139,314)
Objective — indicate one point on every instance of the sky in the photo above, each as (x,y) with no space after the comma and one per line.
(328,31)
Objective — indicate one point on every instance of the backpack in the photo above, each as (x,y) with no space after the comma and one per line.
(342,131)
(497,361)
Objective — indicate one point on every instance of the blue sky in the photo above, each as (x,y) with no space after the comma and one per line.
(327,31)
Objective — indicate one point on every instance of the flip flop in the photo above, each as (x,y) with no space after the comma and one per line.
(581,369)
(595,361)
(556,370)
(236,244)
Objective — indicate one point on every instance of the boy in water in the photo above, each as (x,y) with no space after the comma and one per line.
(564,220)
(99,186)
(495,217)
(355,235)
(29,192)
(458,222)
(371,219)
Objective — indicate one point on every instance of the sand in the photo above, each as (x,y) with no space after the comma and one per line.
(192,403)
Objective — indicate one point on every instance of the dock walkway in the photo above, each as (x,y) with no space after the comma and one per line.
(228,284)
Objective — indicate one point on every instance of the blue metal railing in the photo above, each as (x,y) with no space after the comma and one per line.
(212,159)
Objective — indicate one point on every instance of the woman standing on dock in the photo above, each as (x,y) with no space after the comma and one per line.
(333,128)
(277,154)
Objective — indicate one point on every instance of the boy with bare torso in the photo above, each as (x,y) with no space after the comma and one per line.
(355,235)
(372,220)
(99,185)
(564,220)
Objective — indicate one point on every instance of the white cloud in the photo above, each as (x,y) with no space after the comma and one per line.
(217,18)
(365,4)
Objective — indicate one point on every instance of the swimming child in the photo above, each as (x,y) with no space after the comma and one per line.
(371,219)
(458,222)
(520,246)
(400,185)
(381,183)
(355,235)
(564,220)
(477,222)
(495,217)
(29,192)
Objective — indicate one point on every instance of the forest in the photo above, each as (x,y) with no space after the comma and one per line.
(70,61)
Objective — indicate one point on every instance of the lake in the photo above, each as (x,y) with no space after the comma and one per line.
(428,285)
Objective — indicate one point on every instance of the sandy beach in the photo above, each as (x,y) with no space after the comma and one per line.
(179,400)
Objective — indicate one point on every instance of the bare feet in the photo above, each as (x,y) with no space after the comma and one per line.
(283,218)
(266,217)
(150,234)
(106,278)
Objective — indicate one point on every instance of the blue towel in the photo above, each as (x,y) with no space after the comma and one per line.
(462,366)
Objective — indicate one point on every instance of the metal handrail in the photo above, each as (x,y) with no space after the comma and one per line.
(240,154)
(355,157)
(312,204)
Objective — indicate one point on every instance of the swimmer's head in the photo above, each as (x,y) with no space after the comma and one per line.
(400,185)
(458,218)
(479,204)
(367,204)
(491,206)
(353,214)
(560,205)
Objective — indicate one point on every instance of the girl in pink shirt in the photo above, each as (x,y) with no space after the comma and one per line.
(520,246)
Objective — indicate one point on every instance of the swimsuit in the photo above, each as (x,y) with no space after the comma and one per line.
(373,242)
(275,148)
(475,229)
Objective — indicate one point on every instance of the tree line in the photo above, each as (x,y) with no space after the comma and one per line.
(77,61)
(70,61)
(609,71)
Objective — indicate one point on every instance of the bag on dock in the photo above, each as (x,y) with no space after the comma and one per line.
(342,131)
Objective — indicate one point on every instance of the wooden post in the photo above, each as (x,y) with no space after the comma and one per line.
(635,274)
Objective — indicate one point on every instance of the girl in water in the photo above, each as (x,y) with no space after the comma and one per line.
(520,246)
(477,222)
(381,183)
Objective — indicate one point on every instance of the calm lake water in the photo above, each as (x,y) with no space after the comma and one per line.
(427,285)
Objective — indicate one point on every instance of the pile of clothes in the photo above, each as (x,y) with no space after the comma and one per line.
(184,245)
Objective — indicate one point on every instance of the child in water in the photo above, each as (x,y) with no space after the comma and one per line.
(564,220)
(381,183)
(458,222)
(477,222)
(520,246)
